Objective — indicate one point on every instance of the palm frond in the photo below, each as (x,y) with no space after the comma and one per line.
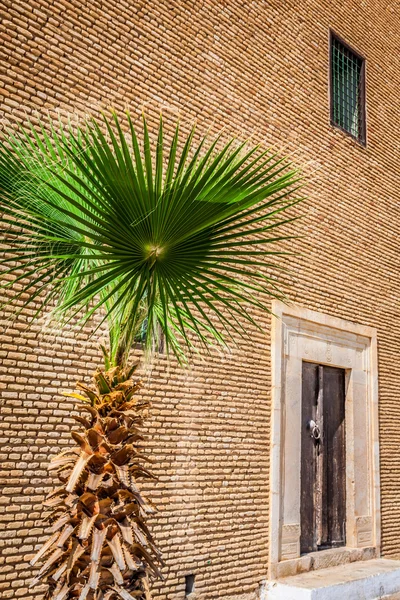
(180,236)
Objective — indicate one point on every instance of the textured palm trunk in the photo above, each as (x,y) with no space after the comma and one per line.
(100,547)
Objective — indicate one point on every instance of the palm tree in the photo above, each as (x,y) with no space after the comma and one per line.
(171,242)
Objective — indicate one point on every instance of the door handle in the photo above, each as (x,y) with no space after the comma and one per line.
(314,429)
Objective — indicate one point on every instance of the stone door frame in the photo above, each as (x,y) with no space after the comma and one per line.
(300,334)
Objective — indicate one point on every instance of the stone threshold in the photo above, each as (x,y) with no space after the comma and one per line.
(322,560)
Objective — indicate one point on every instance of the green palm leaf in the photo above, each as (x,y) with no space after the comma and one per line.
(180,236)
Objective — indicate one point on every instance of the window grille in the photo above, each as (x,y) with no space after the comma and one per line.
(347,89)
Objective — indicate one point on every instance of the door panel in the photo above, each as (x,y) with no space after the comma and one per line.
(308,462)
(323,460)
(334,447)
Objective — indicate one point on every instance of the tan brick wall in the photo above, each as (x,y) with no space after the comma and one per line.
(258,68)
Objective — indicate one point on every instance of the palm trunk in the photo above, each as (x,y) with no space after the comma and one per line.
(100,547)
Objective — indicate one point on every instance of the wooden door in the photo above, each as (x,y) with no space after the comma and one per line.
(323,458)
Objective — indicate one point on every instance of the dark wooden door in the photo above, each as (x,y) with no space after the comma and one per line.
(323,458)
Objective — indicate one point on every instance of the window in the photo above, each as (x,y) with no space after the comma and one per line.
(347,70)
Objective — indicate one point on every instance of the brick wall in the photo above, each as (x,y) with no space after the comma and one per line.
(257,68)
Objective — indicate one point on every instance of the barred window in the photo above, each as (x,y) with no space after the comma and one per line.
(347,89)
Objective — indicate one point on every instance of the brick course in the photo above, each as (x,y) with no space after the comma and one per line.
(258,68)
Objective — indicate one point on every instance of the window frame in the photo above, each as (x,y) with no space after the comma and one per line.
(362,138)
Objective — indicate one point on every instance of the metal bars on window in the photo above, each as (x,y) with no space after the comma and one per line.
(347,89)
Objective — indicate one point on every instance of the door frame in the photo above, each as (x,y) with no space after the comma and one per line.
(301,334)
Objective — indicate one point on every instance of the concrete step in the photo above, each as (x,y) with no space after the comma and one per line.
(367,580)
